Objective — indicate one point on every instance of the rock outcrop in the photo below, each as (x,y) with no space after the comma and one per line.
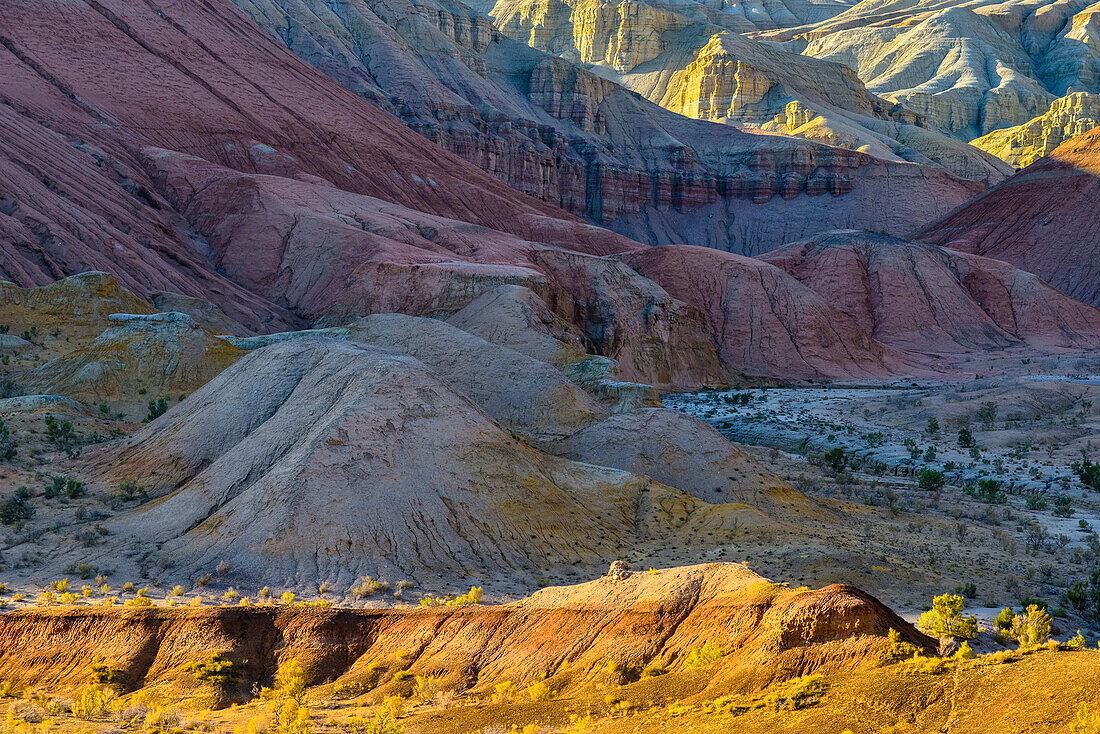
(205,313)
(551,128)
(80,305)
(163,354)
(1041,220)
(922,298)
(563,635)
(698,64)
(1024,144)
(382,257)
(955,67)
(968,69)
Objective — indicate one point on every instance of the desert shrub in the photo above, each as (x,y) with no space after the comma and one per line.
(899,648)
(138,601)
(798,693)
(945,618)
(425,686)
(1077,642)
(290,681)
(708,653)
(1035,501)
(1032,628)
(287,598)
(160,720)
(7,443)
(231,595)
(504,691)
(63,486)
(835,459)
(367,585)
(83,570)
(966,439)
(384,720)
(102,672)
(1063,506)
(965,652)
(473,596)
(1003,620)
(217,670)
(540,691)
(60,433)
(94,701)
(930,479)
(1084,722)
(988,490)
(157,408)
(131,490)
(15,509)
(1087,472)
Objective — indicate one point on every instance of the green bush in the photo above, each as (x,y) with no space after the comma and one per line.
(15,509)
(1063,506)
(1035,501)
(217,671)
(157,408)
(130,490)
(1032,628)
(1087,472)
(60,433)
(930,479)
(7,443)
(945,618)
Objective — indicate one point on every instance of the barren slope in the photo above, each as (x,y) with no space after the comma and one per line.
(923,298)
(331,461)
(1042,220)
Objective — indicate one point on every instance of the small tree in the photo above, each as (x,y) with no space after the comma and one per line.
(835,459)
(157,408)
(60,433)
(15,509)
(1032,628)
(290,682)
(1086,471)
(933,425)
(945,618)
(7,443)
(930,479)
(966,439)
